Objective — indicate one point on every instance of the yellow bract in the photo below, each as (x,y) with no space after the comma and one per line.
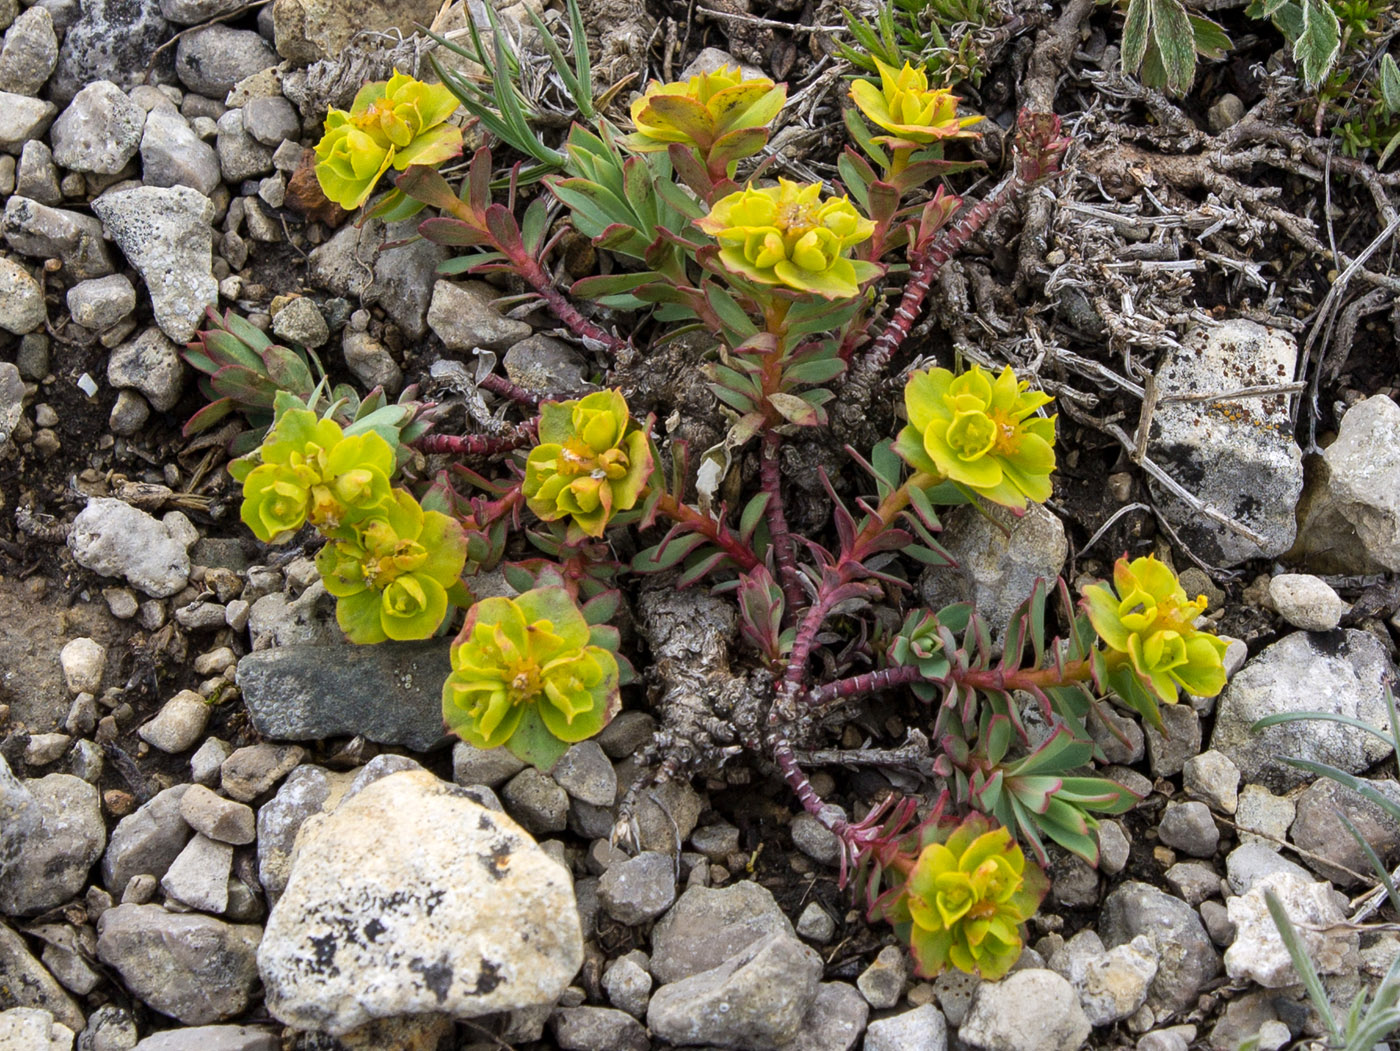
(790,235)
(392,123)
(981,432)
(966,899)
(1150,626)
(904,104)
(700,111)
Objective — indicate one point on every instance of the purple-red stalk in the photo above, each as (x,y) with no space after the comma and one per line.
(519,436)
(771,478)
(506,389)
(710,528)
(593,336)
(863,684)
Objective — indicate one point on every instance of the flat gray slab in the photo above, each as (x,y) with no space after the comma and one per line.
(391,693)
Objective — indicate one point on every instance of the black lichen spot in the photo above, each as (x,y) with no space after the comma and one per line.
(484,823)
(436,976)
(373,929)
(1334,644)
(324,949)
(489,978)
(498,862)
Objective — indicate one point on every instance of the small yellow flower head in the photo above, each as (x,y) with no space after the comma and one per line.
(526,665)
(905,105)
(702,110)
(391,575)
(1150,625)
(587,466)
(311,471)
(789,235)
(392,123)
(981,432)
(966,899)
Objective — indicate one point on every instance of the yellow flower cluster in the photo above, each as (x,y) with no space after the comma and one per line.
(904,105)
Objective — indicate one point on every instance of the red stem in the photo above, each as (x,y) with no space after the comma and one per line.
(865,683)
(506,389)
(771,477)
(592,335)
(711,529)
(998,679)
(517,437)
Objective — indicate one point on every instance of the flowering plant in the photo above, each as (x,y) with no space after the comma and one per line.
(1149,627)
(528,673)
(790,235)
(391,123)
(588,465)
(964,898)
(906,106)
(720,113)
(393,572)
(311,471)
(981,433)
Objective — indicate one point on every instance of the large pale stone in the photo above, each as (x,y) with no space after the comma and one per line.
(411,898)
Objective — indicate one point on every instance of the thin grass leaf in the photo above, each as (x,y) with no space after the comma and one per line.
(1304,966)
(1377,865)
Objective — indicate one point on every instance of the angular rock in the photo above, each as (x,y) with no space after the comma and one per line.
(30,1029)
(199,877)
(1318,828)
(1030,1010)
(53,866)
(543,363)
(492,767)
(218,818)
(40,232)
(638,889)
(113,40)
(173,155)
(390,693)
(25,982)
(996,570)
(178,724)
(1351,521)
(240,155)
(36,177)
(1190,828)
(1258,952)
(754,1000)
(271,120)
(598,1029)
(30,52)
(922,1029)
(165,234)
(1238,456)
(628,984)
(186,965)
(464,317)
(254,769)
(1345,672)
(308,790)
(835,1021)
(585,773)
(114,539)
(1113,984)
(211,60)
(1249,863)
(1306,602)
(1214,779)
(22,119)
(211,1038)
(99,131)
(708,926)
(146,841)
(20,817)
(22,307)
(411,898)
(1186,960)
(309,30)
(882,983)
(195,12)
(101,302)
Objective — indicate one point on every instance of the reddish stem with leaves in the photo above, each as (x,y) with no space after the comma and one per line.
(517,437)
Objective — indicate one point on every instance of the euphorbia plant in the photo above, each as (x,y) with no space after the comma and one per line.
(786,277)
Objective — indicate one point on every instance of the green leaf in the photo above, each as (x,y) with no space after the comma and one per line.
(1390,83)
(730,314)
(796,410)
(533,743)
(822,370)
(1212,42)
(1317,46)
(1135,34)
(1317,993)
(1176,43)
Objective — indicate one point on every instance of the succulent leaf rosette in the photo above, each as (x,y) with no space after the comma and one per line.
(1149,625)
(588,465)
(965,899)
(311,471)
(980,432)
(789,235)
(906,106)
(704,109)
(392,575)
(526,674)
(391,123)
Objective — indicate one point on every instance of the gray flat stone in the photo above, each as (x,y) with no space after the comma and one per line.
(390,693)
